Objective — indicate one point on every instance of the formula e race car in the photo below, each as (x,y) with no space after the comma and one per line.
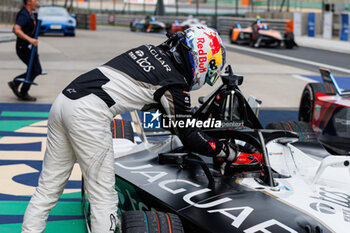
(148,24)
(327,108)
(288,182)
(262,35)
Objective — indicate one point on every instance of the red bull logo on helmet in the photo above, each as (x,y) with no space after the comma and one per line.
(215,55)
(202,56)
(214,42)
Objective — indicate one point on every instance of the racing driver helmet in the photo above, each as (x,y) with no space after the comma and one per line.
(199,53)
(206,55)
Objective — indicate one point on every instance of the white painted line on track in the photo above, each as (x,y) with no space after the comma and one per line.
(302,77)
(288,58)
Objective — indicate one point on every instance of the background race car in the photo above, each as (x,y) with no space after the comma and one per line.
(261,36)
(149,24)
(56,19)
(327,108)
(176,26)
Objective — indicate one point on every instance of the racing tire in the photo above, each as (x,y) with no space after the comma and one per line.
(306,106)
(303,129)
(122,129)
(148,221)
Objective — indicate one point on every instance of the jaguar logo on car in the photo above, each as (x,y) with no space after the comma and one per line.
(238,214)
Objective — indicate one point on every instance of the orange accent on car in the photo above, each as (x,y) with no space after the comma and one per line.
(169,224)
(123,128)
(157,221)
(149,28)
(290,127)
(235,34)
(115,130)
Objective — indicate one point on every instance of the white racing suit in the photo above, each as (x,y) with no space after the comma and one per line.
(79,130)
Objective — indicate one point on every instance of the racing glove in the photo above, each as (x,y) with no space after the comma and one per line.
(227,156)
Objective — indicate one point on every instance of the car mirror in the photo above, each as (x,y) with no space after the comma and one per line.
(73,16)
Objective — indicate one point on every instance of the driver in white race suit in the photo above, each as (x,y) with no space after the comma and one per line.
(79,120)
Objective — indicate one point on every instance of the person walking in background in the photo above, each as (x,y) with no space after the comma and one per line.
(24,28)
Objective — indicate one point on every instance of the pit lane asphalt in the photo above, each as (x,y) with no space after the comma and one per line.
(65,58)
(302,57)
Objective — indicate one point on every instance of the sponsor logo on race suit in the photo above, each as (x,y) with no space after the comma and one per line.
(241,213)
(71,90)
(145,64)
(143,61)
(132,55)
(158,57)
(139,53)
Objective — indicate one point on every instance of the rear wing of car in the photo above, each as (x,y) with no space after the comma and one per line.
(327,77)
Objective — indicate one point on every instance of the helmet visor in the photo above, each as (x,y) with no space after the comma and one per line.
(212,77)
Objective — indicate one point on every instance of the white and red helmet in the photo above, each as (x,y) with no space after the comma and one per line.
(206,55)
